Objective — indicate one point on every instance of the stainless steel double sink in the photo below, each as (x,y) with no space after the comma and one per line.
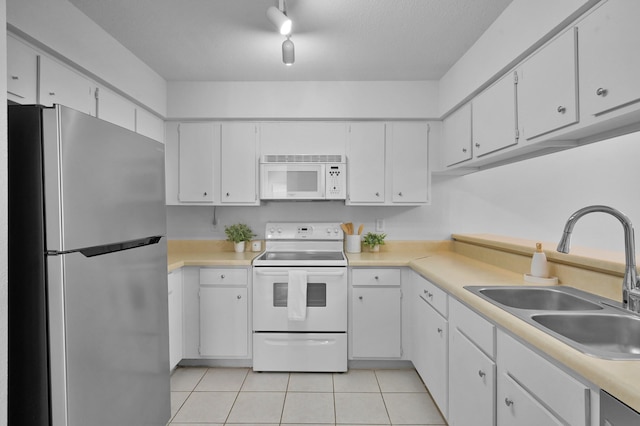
(589,323)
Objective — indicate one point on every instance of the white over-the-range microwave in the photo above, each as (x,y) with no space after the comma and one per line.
(303,177)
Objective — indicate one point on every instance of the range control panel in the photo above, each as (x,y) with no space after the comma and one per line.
(303,231)
(335,181)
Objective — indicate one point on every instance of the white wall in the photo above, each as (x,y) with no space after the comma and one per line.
(3,219)
(533,198)
(303,99)
(61,27)
(516,31)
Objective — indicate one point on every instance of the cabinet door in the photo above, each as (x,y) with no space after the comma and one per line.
(197,142)
(22,72)
(494,117)
(376,323)
(239,163)
(115,109)
(472,384)
(436,361)
(366,163)
(175,318)
(223,322)
(149,125)
(547,88)
(61,85)
(609,58)
(457,136)
(410,162)
(516,407)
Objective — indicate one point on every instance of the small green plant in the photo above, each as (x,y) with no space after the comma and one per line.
(372,239)
(238,232)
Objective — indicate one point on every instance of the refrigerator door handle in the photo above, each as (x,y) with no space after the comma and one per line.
(109,248)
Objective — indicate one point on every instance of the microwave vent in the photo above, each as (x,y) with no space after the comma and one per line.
(302,159)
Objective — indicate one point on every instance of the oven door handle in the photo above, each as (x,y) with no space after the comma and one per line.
(284,274)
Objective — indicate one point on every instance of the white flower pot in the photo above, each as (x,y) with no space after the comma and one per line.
(239,247)
(375,248)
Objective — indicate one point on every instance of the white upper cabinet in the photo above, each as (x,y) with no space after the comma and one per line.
(62,85)
(547,88)
(149,125)
(197,145)
(409,154)
(366,163)
(457,136)
(22,72)
(239,164)
(609,55)
(494,122)
(115,109)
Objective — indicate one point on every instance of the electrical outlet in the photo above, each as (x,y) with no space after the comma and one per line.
(379,225)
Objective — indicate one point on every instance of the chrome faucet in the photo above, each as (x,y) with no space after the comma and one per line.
(630,283)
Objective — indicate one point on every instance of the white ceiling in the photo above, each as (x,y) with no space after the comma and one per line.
(232,40)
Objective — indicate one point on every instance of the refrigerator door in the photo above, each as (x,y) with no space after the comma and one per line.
(109,338)
(103,183)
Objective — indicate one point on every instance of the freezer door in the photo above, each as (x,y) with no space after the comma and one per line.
(103,183)
(109,338)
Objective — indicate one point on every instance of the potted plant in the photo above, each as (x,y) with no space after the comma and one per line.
(373,241)
(238,233)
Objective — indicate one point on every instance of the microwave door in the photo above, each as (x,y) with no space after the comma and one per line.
(298,182)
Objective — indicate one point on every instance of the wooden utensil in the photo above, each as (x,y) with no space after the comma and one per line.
(344,227)
(360,228)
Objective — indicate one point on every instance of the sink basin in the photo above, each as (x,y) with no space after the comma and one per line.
(538,298)
(603,335)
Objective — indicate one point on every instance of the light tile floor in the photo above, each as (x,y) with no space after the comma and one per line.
(238,396)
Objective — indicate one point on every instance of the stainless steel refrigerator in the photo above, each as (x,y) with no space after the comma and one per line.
(88,320)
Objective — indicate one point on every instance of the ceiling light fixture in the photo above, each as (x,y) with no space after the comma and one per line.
(288,52)
(278,17)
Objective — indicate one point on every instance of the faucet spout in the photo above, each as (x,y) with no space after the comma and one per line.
(630,284)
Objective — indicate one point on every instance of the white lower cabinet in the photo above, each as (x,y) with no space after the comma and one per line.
(533,391)
(376,327)
(472,371)
(224,312)
(175,318)
(430,340)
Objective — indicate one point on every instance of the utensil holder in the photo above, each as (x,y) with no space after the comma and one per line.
(353,244)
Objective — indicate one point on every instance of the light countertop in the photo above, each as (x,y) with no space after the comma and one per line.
(440,263)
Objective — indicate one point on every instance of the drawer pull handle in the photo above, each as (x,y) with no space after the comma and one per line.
(15,77)
(360,297)
(52,93)
(477,145)
(464,149)
(508,402)
(376,277)
(601,91)
(222,276)
(562,109)
(439,330)
(481,373)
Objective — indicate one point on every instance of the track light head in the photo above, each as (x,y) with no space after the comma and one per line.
(279,20)
(288,52)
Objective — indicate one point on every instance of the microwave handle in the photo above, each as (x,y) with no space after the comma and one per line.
(280,274)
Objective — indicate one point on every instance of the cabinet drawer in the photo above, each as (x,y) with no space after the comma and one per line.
(222,276)
(566,396)
(433,295)
(375,276)
(480,331)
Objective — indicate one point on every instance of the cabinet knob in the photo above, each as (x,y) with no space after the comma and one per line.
(430,295)
(439,330)
(562,109)
(227,194)
(377,194)
(376,277)
(360,297)
(399,194)
(508,402)
(52,93)
(238,297)
(15,77)
(477,145)
(600,91)
(464,149)
(222,276)
(481,373)
(204,194)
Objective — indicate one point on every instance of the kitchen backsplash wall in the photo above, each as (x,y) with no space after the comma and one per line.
(529,199)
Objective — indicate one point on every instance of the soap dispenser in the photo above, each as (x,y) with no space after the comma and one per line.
(539,266)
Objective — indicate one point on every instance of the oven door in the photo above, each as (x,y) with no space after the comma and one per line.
(292,181)
(326,300)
